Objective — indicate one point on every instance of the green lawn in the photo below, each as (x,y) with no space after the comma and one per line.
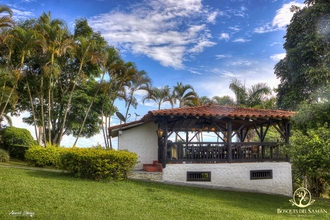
(53,195)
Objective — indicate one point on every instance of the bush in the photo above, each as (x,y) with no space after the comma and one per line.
(16,141)
(44,156)
(17,151)
(310,158)
(98,164)
(4,156)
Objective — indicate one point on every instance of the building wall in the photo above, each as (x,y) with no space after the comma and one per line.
(236,176)
(141,140)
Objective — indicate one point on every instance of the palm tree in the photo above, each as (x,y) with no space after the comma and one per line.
(252,98)
(139,81)
(83,51)
(6,20)
(255,97)
(57,41)
(198,101)
(24,42)
(159,95)
(224,100)
(184,94)
(107,61)
(8,95)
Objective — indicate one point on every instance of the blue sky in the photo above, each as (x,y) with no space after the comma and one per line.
(204,43)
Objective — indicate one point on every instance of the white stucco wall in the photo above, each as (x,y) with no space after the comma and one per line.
(236,176)
(141,140)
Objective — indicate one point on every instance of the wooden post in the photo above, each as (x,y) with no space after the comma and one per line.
(164,124)
(229,143)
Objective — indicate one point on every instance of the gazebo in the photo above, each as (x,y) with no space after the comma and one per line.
(191,143)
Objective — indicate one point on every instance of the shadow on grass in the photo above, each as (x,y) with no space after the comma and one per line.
(231,197)
(50,174)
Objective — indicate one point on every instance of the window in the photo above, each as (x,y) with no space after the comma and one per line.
(199,176)
(261,174)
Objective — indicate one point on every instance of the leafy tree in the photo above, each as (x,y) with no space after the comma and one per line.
(315,113)
(305,67)
(19,136)
(310,157)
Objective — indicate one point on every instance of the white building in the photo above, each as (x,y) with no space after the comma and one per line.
(211,145)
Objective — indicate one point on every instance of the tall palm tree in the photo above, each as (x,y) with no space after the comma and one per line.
(83,52)
(253,97)
(57,41)
(24,42)
(106,60)
(6,20)
(159,95)
(139,81)
(184,94)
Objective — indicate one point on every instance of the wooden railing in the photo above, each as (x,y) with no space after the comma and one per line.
(202,152)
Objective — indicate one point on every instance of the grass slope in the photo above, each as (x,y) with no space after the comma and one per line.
(52,195)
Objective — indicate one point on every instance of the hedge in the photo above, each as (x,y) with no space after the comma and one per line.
(44,156)
(98,164)
(90,163)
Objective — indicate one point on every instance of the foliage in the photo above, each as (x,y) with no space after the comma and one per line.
(98,164)
(53,73)
(16,136)
(184,94)
(315,113)
(310,158)
(159,95)
(4,156)
(306,66)
(255,97)
(17,151)
(44,156)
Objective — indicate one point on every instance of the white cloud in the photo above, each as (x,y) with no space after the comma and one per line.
(224,36)
(235,29)
(249,72)
(240,40)
(212,17)
(222,56)
(281,19)
(166,31)
(241,63)
(22,14)
(278,56)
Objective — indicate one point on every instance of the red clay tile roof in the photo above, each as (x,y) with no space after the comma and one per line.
(210,111)
(221,111)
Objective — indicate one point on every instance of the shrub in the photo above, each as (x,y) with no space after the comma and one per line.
(16,141)
(44,156)
(310,158)
(98,164)
(17,151)
(4,156)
